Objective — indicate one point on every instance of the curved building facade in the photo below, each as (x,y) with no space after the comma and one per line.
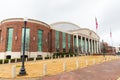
(12,30)
(43,39)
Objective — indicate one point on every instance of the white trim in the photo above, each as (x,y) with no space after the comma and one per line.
(18,54)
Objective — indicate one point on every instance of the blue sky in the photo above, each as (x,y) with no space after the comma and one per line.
(80,12)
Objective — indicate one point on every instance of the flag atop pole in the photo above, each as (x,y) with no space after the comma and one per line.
(96,23)
(110,34)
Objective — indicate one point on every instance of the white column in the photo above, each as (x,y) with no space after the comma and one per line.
(85,45)
(89,44)
(97,46)
(81,44)
(77,40)
(94,46)
(77,43)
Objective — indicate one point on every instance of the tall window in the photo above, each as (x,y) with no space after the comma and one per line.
(64,41)
(27,39)
(9,39)
(75,42)
(69,41)
(40,32)
(79,42)
(57,41)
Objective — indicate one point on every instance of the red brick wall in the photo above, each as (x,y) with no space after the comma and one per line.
(52,41)
(3,42)
(48,38)
(16,44)
(71,45)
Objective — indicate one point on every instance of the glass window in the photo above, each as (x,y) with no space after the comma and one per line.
(87,46)
(79,42)
(69,41)
(40,32)
(75,42)
(9,39)
(57,40)
(27,39)
(64,40)
(83,44)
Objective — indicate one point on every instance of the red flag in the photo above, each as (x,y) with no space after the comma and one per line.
(96,23)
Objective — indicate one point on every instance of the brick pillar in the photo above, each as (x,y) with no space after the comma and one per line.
(52,41)
(4,38)
(17,37)
(33,39)
(71,43)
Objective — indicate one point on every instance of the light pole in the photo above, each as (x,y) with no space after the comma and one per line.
(22,70)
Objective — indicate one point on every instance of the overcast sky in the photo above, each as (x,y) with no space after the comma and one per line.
(80,12)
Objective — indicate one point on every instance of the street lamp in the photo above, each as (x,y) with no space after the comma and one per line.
(22,70)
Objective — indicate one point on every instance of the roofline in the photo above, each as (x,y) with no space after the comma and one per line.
(64,22)
(61,22)
(22,19)
(89,30)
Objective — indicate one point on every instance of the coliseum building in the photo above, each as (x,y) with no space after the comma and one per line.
(44,39)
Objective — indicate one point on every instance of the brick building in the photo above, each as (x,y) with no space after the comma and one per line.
(43,39)
(107,49)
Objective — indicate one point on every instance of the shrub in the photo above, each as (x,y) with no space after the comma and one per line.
(6,60)
(0,61)
(39,58)
(47,57)
(63,54)
(12,60)
(30,59)
(19,59)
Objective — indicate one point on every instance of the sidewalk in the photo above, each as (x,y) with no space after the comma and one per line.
(105,71)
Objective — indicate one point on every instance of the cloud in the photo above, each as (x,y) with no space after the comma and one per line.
(80,12)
